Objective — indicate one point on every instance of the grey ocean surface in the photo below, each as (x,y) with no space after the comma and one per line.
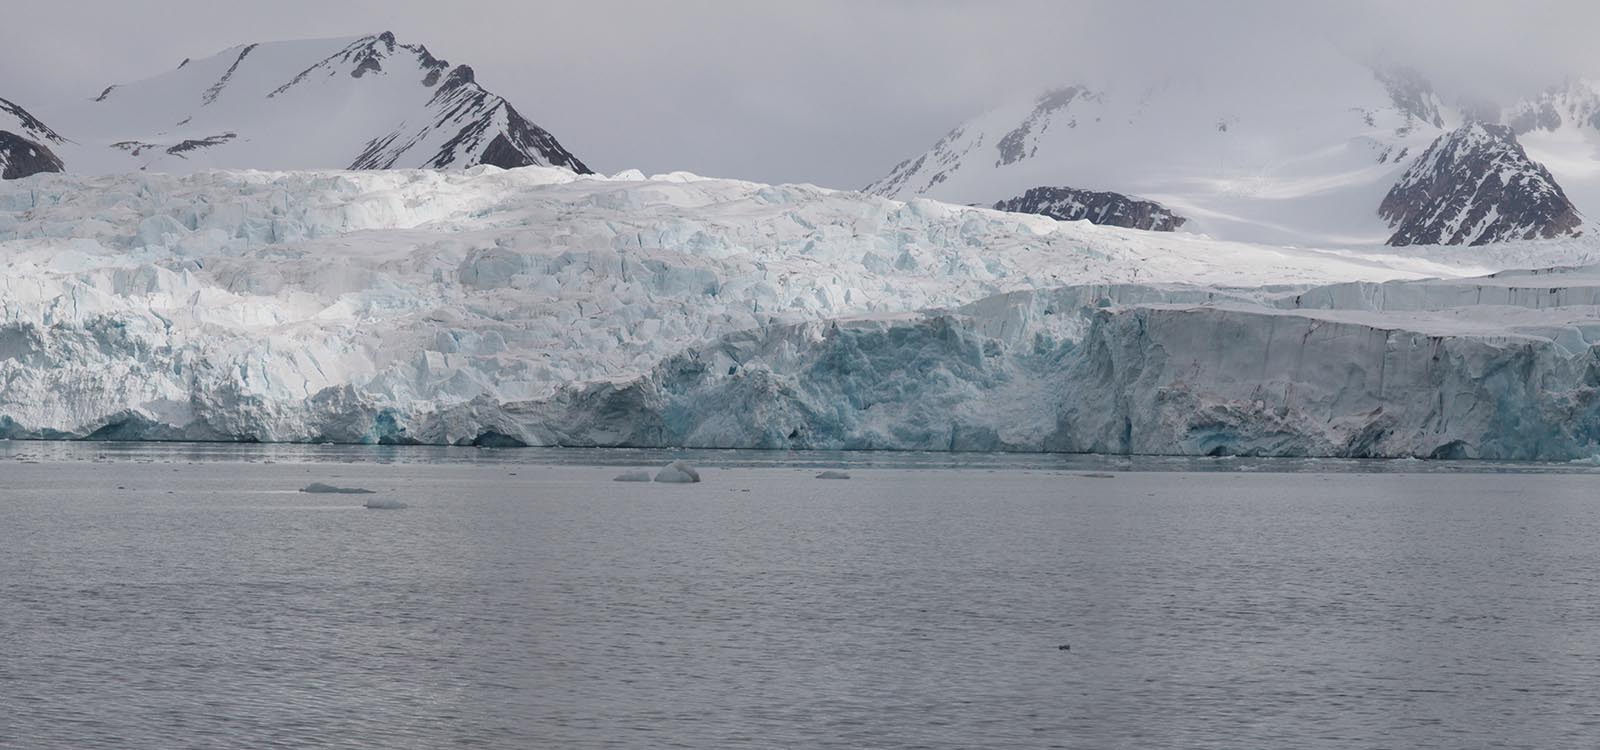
(171,596)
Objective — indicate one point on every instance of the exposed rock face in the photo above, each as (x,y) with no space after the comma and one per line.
(369,102)
(22,144)
(1412,95)
(20,157)
(1476,185)
(1017,144)
(482,128)
(1576,103)
(1098,207)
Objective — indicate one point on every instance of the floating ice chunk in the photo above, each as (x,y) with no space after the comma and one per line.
(637,475)
(381,504)
(678,472)
(319,487)
(831,474)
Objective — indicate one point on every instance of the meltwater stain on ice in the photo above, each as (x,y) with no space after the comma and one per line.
(382,504)
(832,474)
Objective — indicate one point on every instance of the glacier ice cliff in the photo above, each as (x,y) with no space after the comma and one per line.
(536,306)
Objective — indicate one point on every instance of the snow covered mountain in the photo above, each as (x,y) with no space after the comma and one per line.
(1304,153)
(25,144)
(538,306)
(1560,128)
(359,103)
(1473,186)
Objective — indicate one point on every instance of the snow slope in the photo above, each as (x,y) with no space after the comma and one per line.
(539,306)
(363,103)
(1301,151)
(1476,185)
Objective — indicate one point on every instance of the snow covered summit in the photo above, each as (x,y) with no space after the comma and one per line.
(1304,151)
(1476,185)
(367,102)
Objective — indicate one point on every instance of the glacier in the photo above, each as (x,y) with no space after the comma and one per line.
(537,306)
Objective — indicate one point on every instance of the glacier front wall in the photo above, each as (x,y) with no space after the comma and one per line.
(1104,369)
(538,307)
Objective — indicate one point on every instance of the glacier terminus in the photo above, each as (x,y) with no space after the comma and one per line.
(538,306)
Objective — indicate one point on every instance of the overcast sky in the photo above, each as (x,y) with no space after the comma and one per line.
(827,91)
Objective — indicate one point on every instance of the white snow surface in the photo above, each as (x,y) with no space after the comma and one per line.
(301,104)
(536,306)
(1298,151)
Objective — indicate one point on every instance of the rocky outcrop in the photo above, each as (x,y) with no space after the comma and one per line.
(1473,186)
(1098,207)
(476,127)
(23,139)
(1412,96)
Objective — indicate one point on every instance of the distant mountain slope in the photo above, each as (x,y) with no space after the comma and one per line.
(1302,152)
(25,144)
(1255,155)
(358,103)
(1476,185)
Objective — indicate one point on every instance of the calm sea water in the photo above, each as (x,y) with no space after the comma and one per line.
(189,596)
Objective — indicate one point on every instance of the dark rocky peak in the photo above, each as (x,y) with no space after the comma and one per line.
(479,128)
(1476,185)
(1098,207)
(21,157)
(1023,140)
(113,87)
(23,139)
(460,75)
(30,125)
(1411,94)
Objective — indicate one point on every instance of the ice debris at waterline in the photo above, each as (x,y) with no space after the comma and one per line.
(638,475)
(319,487)
(382,504)
(832,474)
(539,307)
(678,472)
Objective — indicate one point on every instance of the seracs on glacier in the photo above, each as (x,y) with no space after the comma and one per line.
(539,307)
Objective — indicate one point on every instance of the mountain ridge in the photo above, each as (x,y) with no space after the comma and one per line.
(1257,158)
(366,102)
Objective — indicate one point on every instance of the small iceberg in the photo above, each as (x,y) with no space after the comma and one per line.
(318,487)
(831,474)
(380,504)
(637,475)
(678,472)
